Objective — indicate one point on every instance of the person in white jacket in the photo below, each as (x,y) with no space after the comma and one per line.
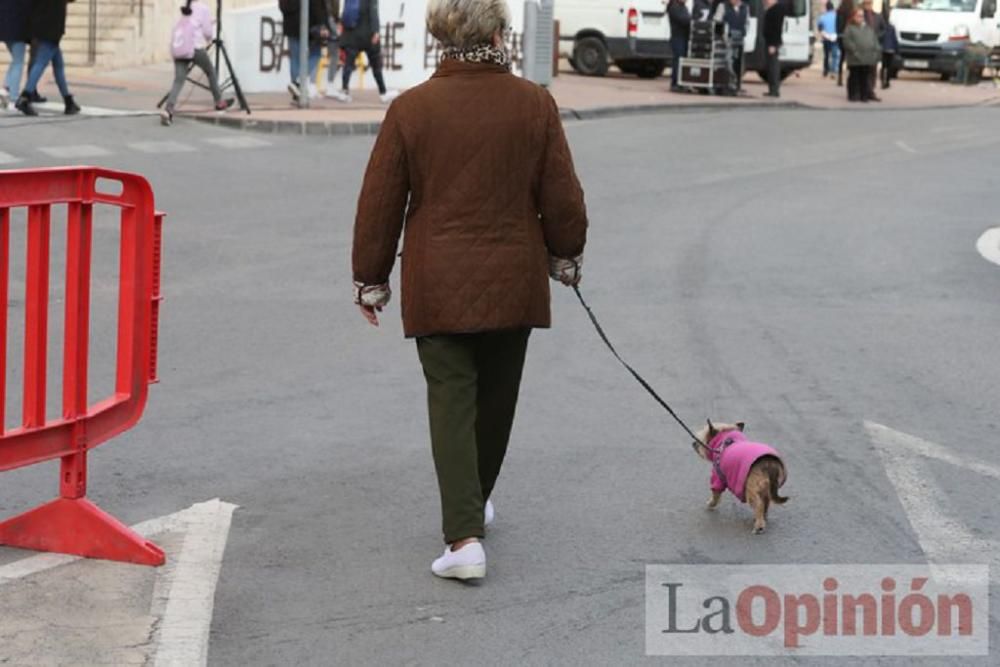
(190,38)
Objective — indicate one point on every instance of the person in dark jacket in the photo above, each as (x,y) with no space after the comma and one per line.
(774,26)
(862,51)
(844,13)
(14,34)
(890,46)
(680,33)
(46,25)
(701,10)
(319,32)
(474,166)
(877,23)
(360,27)
(736,15)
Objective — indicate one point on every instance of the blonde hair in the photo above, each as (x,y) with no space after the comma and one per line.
(465,24)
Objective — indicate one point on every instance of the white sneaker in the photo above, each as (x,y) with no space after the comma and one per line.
(469,562)
(313,92)
(339,95)
(4,98)
(389,96)
(293,90)
(489,514)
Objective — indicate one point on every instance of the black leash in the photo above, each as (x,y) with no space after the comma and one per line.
(635,374)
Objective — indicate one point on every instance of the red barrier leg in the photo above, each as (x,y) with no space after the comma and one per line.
(79,527)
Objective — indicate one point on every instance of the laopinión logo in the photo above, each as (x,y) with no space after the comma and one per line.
(817,610)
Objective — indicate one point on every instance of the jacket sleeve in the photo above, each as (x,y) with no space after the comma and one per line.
(560,197)
(376,22)
(850,41)
(381,206)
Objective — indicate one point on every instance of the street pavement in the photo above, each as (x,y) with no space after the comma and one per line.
(813,273)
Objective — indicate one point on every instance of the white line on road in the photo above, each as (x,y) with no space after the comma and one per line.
(161,147)
(238,142)
(7,158)
(96,112)
(988,245)
(943,539)
(184,593)
(905,147)
(82,150)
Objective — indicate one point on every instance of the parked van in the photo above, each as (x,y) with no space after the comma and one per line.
(634,35)
(933,33)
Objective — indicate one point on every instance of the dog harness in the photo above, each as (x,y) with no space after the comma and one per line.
(732,457)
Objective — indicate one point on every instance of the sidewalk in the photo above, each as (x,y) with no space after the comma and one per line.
(579,97)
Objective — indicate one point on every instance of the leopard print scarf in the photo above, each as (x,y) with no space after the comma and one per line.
(486,53)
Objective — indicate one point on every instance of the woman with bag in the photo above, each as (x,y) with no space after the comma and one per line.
(475,165)
(319,33)
(189,40)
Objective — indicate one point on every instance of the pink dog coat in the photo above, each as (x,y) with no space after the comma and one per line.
(732,457)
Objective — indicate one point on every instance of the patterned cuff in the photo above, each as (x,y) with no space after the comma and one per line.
(566,271)
(372,295)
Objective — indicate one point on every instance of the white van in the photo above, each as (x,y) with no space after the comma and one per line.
(932,33)
(634,35)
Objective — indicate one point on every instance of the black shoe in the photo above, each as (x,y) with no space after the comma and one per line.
(874,98)
(676,89)
(23,105)
(35,98)
(72,108)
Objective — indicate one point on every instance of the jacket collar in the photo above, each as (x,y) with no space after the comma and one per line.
(452,67)
(722,440)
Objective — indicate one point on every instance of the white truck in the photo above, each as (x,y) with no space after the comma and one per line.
(933,33)
(635,36)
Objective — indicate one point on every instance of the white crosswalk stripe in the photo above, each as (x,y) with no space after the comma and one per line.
(94,112)
(7,158)
(81,150)
(161,147)
(238,142)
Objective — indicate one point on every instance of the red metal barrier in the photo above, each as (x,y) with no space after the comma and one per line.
(72,524)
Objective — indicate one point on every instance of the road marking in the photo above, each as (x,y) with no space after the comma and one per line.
(161,147)
(7,158)
(988,245)
(92,111)
(943,539)
(82,150)
(906,147)
(238,142)
(184,593)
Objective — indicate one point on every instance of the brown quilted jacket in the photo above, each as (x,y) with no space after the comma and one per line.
(476,162)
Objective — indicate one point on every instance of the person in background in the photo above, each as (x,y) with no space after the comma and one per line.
(844,13)
(701,10)
(475,167)
(890,46)
(877,23)
(827,27)
(189,42)
(14,34)
(333,46)
(319,32)
(680,33)
(360,34)
(46,26)
(774,26)
(736,15)
(862,52)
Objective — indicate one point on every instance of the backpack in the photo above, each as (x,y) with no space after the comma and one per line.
(352,14)
(182,39)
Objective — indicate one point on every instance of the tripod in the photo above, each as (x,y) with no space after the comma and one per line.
(220,51)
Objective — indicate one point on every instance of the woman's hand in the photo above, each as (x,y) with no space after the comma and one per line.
(566,271)
(370,313)
(375,39)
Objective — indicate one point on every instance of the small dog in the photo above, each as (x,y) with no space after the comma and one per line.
(752,471)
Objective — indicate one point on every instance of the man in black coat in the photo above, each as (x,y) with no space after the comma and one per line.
(360,27)
(46,25)
(13,33)
(680,33)
(774,25)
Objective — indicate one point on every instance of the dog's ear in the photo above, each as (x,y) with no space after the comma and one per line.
(740,426)
(711,429)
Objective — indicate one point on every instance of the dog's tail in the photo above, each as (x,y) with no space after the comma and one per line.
(774,481)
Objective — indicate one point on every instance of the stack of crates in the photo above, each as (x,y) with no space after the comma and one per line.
(708,62)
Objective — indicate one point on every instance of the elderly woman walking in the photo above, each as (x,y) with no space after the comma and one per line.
(476,164)
(862,52)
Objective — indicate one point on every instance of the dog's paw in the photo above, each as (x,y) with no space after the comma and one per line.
(712,505)
(758,530)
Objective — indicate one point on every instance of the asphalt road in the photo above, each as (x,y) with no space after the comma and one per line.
(804,271)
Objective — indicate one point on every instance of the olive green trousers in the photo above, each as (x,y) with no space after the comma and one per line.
(472,386)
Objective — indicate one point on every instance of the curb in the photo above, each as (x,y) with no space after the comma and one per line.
(344,129)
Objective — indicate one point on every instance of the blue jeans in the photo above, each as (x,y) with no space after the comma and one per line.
(293,57)
(831,57)
(48,52)
(678,48)
(13,80)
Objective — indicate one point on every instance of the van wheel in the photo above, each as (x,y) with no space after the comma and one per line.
(945,76)
(572,63)
(785,73)
(591,57)
(627,66)
(650,69)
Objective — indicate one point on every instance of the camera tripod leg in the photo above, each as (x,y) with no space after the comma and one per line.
(220,47)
